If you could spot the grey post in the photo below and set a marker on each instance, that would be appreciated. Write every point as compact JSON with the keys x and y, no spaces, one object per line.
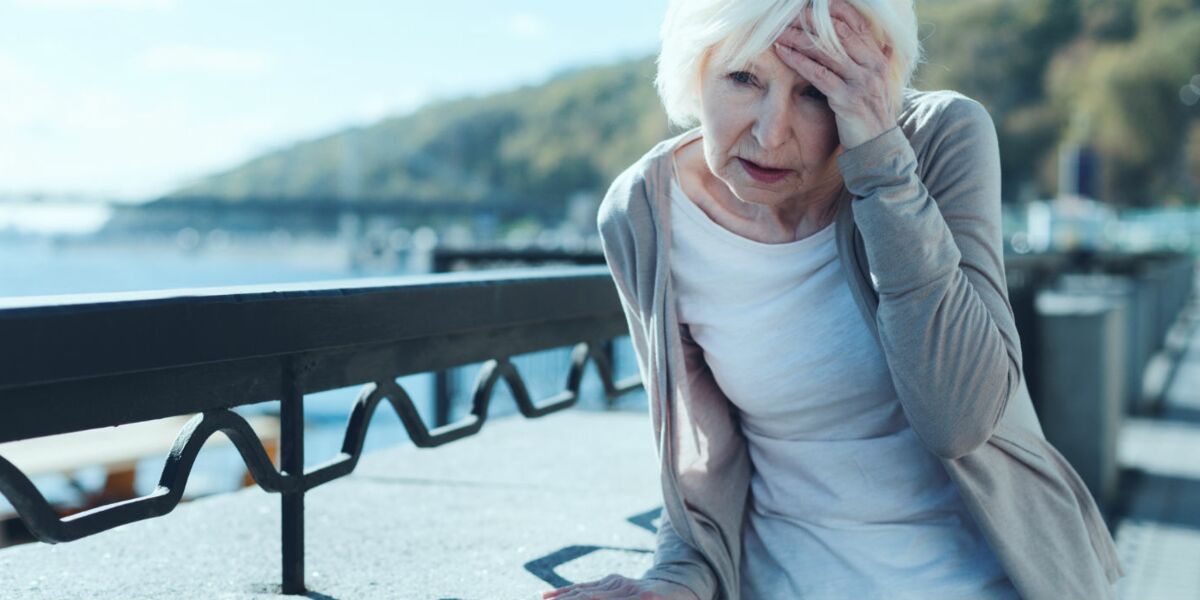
{"x":1083,"y":354}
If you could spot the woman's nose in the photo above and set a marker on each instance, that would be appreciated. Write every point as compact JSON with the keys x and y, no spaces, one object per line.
{"x":772,"y":127}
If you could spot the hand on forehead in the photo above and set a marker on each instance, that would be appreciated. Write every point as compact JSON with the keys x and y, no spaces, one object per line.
{"x":841,"y":9}
{"x":857,"y":86}
{"x":848,"y":22}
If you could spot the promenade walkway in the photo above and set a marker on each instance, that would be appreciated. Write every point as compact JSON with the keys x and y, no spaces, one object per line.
{"x":504,"y":514}
{"x":1158,"y":519}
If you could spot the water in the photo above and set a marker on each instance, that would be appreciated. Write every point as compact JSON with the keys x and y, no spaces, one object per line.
{"x":35,"y":268}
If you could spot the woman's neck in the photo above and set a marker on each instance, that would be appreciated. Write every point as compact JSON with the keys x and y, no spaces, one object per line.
{"x":802,"y":215}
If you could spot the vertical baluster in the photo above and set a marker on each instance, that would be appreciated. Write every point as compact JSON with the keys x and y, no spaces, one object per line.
{"x":443,"y":391}
{"x":292,"y":464}
{"x":610,"y":354}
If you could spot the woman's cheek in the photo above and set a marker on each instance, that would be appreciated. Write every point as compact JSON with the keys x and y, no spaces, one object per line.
{"x":824,"y":136}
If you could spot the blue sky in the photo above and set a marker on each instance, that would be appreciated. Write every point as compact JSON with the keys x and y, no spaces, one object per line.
{"x":132,"y":97}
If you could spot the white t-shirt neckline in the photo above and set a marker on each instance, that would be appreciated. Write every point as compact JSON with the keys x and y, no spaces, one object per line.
{"x":689,"y":208}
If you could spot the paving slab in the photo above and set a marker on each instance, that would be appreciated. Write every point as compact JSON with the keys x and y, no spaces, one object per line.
{"x":509,"y":513}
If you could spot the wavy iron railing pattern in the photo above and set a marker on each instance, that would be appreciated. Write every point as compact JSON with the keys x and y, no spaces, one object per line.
{"x":45,"y":524}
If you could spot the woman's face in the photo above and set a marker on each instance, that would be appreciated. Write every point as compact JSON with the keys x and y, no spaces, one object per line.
{"x":768,"y":134}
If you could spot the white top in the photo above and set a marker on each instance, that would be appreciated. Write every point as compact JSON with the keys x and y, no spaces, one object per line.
{"x":846,"y":502}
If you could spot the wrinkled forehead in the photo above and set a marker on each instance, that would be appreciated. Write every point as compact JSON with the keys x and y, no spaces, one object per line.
{"x":764,"y":64}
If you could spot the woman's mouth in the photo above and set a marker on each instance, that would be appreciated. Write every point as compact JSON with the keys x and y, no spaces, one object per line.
{"x":761,"y":173}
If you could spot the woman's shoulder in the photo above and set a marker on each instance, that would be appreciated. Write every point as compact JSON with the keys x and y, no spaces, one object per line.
{"x":922,"y":108}
{"x":631,"y":189}
{"x":947,"y":126}
{"x":926,"y":115}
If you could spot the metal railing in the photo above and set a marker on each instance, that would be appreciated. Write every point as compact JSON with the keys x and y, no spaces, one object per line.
{"x":447,"y":382}
{"x":70,"y":363}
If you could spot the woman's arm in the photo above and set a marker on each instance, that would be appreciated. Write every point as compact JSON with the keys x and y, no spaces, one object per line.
{"x":674,"y":560}
{"x":936,"y":256}
{"x":934,"y":246}
{"x":677,"y":562}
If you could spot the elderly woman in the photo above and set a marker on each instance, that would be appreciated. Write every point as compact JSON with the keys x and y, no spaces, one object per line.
{"x":813,"y":281}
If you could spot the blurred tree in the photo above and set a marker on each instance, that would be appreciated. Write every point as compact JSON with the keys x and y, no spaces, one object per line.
{"x":996,"y":51}
{"x":1127,"y":97}
{"x":1151,"y":13}
{"x":1104,"y":73}
{"x":1108,"y":19}
{"x":1191,"y":162}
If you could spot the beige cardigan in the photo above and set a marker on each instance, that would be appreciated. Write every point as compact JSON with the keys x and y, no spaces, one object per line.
{"x":918,"y":233}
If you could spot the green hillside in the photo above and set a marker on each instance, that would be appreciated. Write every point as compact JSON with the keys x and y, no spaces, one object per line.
{"x":576,"y":132}
{"x":1105,"y":73}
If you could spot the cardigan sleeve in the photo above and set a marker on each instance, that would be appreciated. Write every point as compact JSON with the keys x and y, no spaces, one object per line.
{"x":935,"y":252}
{"x":620,"y":253}
{"x":675,"y":560}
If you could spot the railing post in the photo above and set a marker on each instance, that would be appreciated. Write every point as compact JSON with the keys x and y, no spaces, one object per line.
{"x":610,"y":354}
{"x":291,"y":452}
{"x":442,"y":393}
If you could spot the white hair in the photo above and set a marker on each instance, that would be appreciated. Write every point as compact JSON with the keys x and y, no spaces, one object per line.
{"x":736,"y":31}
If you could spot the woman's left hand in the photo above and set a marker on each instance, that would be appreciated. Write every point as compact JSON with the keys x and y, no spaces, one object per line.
{"x":858,"y":90}
{"x":616,"y":587}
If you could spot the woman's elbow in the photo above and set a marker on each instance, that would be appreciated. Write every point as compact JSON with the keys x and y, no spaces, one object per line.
{"x":978,"y":421}
{"x":959,"y":445}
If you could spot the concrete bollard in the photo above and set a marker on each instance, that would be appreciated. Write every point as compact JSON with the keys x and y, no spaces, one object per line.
{"x":1083,"y":358}
{"x":1125,"y":291}
{"x":1146,"y":272}
{"x":1025,"y":275}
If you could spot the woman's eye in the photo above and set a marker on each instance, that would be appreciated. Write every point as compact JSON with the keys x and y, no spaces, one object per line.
{"x":742,"y":77}
{"x":814,"y":93}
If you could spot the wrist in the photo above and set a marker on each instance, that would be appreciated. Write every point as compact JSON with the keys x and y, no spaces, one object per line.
{"x":866,"y":135}
{"x":670,"y":590}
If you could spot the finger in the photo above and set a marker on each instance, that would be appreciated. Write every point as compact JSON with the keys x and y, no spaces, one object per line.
{"x":812,"y":71}
{"x":576,"y":594}
{"x":846,"y":70}
{"x":591,"y":589}
{"x":620,"y":593}
{"x":865,"y":51}
{"x":617,"y":589}
{"x":802,"y":25}
{"x":557,"y":593}
{"x":802,"y":20}
{"x":803,"y":38}
{"x":598,"y":593}
{"x":569,"y":591}
{"x":842,"y":9}
{"x":793,"y":36}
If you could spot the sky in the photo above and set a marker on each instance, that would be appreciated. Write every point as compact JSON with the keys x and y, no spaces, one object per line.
{"x":128,"y":99}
